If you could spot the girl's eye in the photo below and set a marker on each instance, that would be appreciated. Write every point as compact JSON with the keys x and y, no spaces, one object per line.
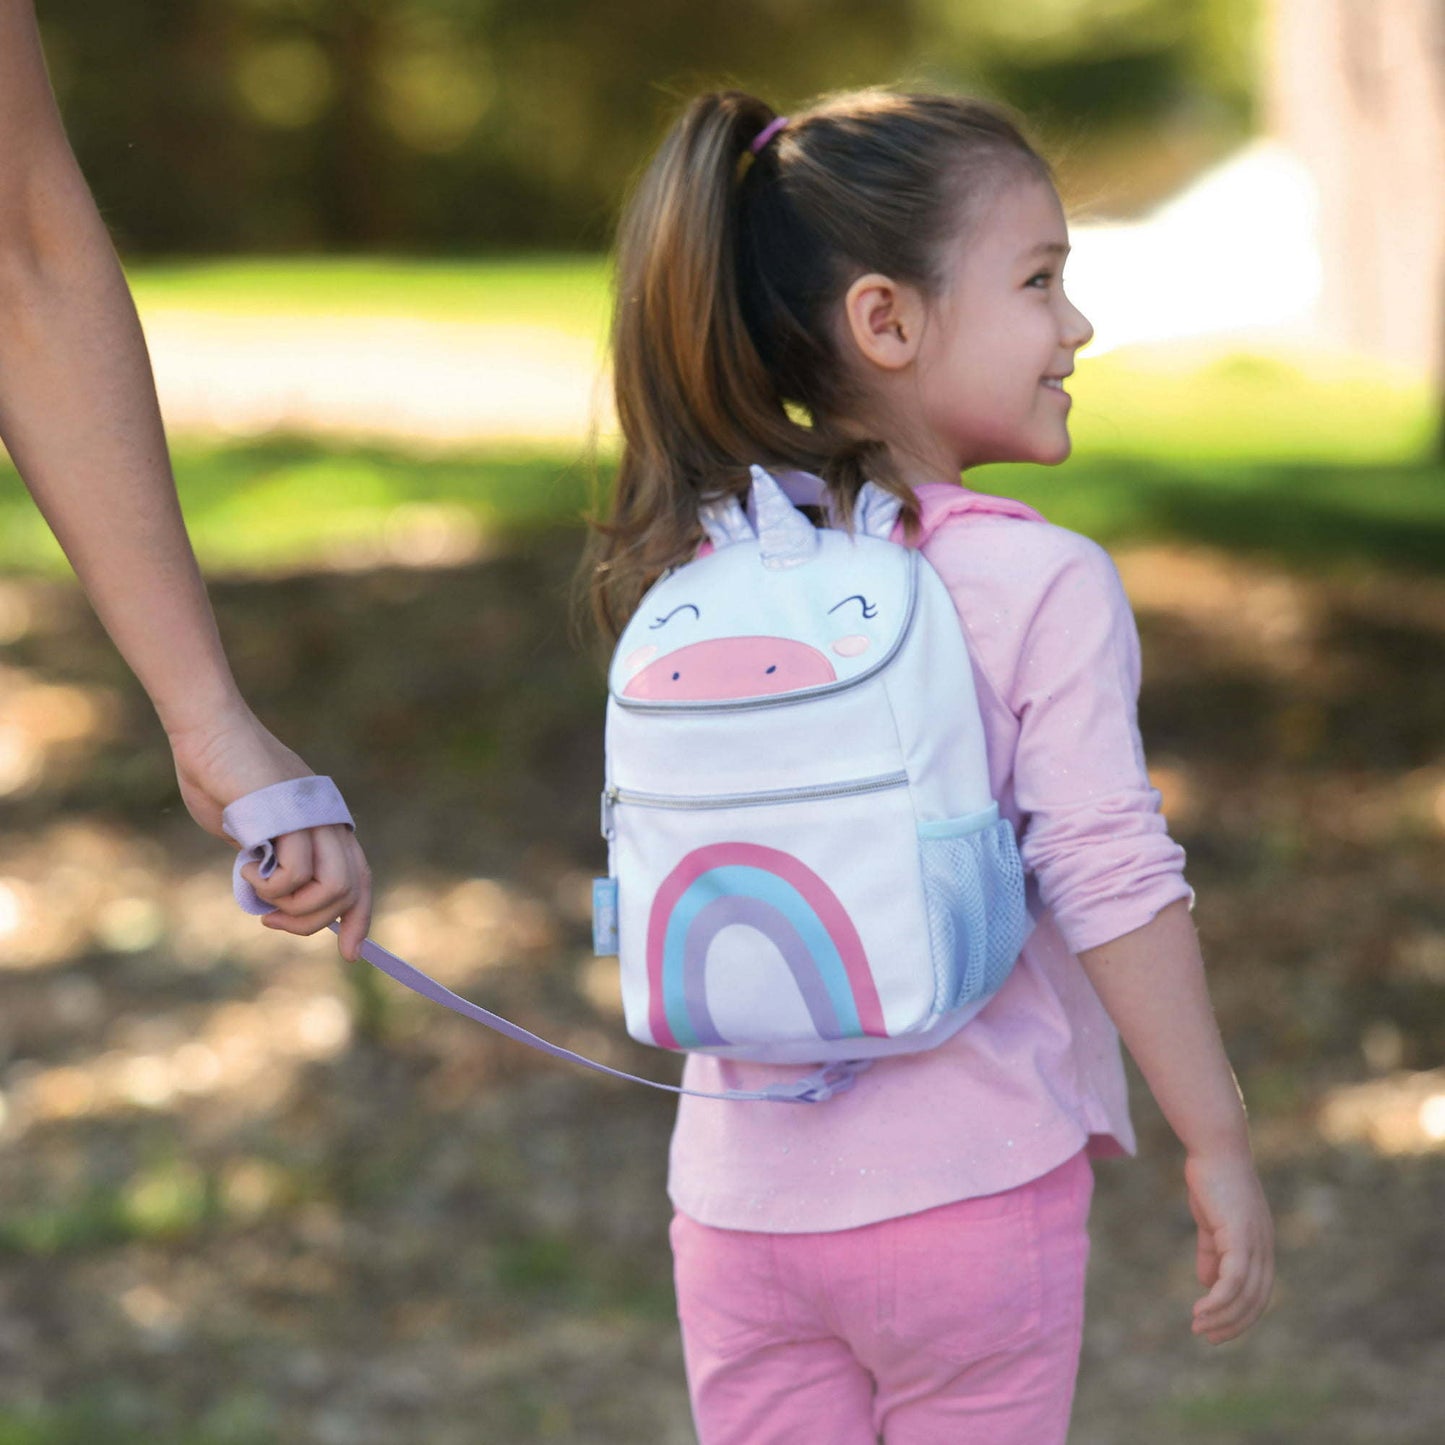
{"x":1044,"y":276}
{"x":680,"y":607}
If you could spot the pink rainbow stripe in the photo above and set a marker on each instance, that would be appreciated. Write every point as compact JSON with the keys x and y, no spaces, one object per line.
{"x":819,"y":897}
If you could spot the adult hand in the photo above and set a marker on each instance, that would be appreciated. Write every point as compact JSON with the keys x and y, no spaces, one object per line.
{"x":1235,"y":1255}
{"x":321,"y":873}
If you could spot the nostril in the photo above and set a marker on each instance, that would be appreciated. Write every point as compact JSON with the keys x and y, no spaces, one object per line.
{"x":773,"y":668}
{"x":676,"y":675}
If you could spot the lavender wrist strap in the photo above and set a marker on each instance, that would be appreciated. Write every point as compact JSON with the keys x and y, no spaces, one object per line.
{"x":257,"y":820}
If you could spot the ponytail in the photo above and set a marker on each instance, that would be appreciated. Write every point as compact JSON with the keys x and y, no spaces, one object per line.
{"x":727,"y":264}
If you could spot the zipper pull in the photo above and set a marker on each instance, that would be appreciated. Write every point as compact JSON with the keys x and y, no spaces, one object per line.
{"x":609,"y":797}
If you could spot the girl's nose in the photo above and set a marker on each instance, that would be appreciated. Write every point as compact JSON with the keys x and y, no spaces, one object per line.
{"x":1080,"y":331}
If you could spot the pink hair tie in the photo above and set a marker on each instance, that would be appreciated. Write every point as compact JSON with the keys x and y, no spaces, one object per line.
{"x":767,"y":133}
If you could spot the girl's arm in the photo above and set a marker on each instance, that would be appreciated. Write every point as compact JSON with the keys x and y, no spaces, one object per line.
{"x":78,"y":414}
{"x":1152,"y":983}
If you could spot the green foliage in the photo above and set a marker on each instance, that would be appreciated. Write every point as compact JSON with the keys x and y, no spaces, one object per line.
{"x":168,"y":1199}
{"x":240,"y":1418}
{"x":1277,"y":1405}
{"x":444,"y":124}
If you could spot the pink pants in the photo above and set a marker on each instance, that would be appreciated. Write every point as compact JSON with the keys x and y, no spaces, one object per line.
{"x":959,"y":1325}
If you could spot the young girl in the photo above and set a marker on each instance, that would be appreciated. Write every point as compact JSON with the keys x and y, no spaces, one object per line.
{"x":870,"y":290}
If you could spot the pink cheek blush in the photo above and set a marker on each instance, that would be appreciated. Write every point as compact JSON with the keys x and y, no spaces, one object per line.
{"x":636,"y":661}
{"x":851,"y":646}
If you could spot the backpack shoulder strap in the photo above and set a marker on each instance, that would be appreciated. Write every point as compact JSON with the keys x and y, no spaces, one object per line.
{"x":942,"y":500}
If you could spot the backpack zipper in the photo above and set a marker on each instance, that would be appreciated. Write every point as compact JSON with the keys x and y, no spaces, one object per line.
{"x":612,"y":795}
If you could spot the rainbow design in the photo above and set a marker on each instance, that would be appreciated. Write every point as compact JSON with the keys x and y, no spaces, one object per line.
{"x":767,"y":889}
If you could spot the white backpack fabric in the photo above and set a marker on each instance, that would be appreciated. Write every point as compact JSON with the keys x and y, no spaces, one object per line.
{"x":805,"y":863}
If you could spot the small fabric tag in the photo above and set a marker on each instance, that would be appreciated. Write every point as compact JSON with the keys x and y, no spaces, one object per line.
{"x":604,"y":916}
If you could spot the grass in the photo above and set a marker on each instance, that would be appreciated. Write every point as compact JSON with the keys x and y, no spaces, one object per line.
{"x":563,"y":293}
{"x":1242,"y":1409}
{"x":171,"y":1199}
{"x":1314,"y":460}
{"x":1168,"y":403}
{"x":243,"y":1418}
{"x":288,"y":502}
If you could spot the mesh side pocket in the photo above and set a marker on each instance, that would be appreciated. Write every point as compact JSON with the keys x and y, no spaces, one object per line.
{"x":973,"y":882}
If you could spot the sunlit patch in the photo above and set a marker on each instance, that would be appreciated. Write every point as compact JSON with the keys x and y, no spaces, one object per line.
{"x":250,"y":1187}
{"x":1178,"y":799}
{"x":851,"y":646}
{"x":60,"y":883}
{"x":640,"y":657}
{"x":66,"y":888}
{"x":146,"y":1306}
{"x":39,"y":720}
{"x":146,"y":1081}
{"x":1240,"y":603}
{"x":20,"y":760}
{"x":1432,"y":1117}
{"x":195,"y":1068}
{"x":129,"y":925}
{"x":16,"y":613}
{"x":1401,"y":1114}
{"x":11,"y":913}
{"x":432,"y":534}
{"x":601,"y":984}
{"x":65,"y":1093}
{"x":323,"y":1027}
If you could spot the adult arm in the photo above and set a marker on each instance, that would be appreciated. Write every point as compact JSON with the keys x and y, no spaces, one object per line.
{"x":79,"y":416}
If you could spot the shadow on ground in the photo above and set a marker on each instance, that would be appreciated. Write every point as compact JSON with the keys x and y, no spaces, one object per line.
{"x":250,"y":1197}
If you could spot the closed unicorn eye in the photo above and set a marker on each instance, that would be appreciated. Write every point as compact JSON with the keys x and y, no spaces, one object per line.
{"x":673,"y":613}
{"x":870,"y":610}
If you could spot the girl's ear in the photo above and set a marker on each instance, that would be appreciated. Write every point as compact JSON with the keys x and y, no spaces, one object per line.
{"x":885,"y":319}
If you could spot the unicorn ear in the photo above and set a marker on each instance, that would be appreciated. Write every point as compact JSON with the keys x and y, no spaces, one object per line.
{"x":785,"y":536}
{"x":725,"y":522}
{"x":875,"y":511}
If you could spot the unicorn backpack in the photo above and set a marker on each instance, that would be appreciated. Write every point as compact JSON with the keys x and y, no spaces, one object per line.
{"x":805,"y":863}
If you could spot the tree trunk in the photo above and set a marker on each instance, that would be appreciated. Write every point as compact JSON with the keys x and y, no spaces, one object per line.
{"x":1357,"y":89}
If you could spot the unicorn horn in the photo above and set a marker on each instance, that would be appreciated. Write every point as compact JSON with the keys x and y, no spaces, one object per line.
{"x":785,"y":536}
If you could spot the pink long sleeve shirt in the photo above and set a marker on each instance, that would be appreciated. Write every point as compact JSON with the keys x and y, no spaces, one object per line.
{"x":1039,"y":1073}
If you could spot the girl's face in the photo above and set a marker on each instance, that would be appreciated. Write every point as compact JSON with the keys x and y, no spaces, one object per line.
{"x":1000,"y":334}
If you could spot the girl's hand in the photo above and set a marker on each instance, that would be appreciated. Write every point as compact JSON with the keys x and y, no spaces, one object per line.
{"x":1236,"y":1242}
{"x":321,"y":873}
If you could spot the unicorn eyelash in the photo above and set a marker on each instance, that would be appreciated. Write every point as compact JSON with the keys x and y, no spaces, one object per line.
{"x":869,"y":609}
{"x":680,"y":607}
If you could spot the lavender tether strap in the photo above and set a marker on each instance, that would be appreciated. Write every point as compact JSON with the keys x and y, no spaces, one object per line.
{"x":257,"y":820}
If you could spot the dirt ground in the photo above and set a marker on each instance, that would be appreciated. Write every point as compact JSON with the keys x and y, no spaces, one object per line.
{"x":248,"y":1196}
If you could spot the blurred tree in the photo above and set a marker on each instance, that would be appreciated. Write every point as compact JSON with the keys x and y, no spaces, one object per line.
{"x":1357,"y":89}
{"x":444,"y":124}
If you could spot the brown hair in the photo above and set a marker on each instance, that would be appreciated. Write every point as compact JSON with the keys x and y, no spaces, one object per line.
{"x":727,"y":284}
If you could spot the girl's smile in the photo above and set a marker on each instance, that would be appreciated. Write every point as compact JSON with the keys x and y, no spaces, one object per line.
{"x":1001,"y":331}
{"x":956,"y":375}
